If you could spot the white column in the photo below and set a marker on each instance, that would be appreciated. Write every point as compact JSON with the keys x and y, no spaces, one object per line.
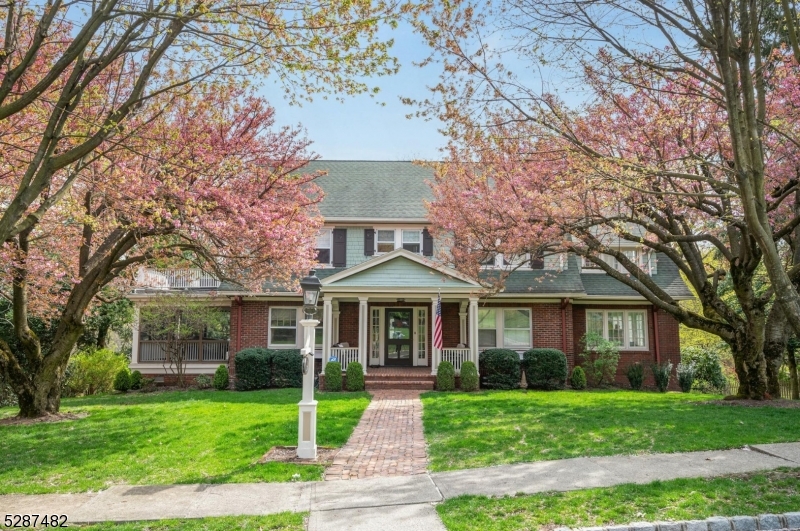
{"x":327,"y":327}
{"x":436,"y":354}
{"x":135,"y":339}
{"x":462,"y":324}
{"x":335,"y":335}
{"x":473,"y":330}
{"x":363,"y":334}
{"x":307,"y":418}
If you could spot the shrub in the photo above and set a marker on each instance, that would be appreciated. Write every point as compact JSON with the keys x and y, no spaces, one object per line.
{"x":469,"y":377}
{"x":287,"y":368}
{"x":333,"y":376}
{"x":93,"y":371}
{"x":221,"y":378}
{"x":600,"y":359}
{"x":148,"y":385}
{"x":578,"y":378}
{"x":122,"y":381}
{"x":685,"y":376}
{"x":662,"y":372}
{"x":355,"y":376}
{"x":545,"y":368}
{"x":635,"y":374}
{"x":202,"y":381}
{"x":136,"y":380}
{"x":253,"y":369}
{"x":445,"y":377}
{"x":501,"y":368}
{"x":708,"y":376}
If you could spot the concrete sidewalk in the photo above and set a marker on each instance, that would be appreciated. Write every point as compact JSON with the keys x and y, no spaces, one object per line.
{"x":393,"y":503}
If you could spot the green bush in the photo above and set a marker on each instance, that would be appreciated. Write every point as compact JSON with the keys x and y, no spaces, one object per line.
{"x":136,"y":380}
{"x":578,"y":378}
{"x":662,"y":372}
{"x":545,"y":368}
{"x":469,"y":377}
{"x":355,"y":376}
{"x":600,"y":358}
{"x":685,"y":376}
{"x":221,"y":378}
{"x":93,"y":371}
{"x":122,"y":381}
{"x":635,"y":374}
{"x":253,"y":369}
{"x":445,"y":377}
{"x":202,"y":381}
{"x":708,"y":377}
{"x":287,"y":368}
{"x":333,"y":376}
{"x":501,"y":368}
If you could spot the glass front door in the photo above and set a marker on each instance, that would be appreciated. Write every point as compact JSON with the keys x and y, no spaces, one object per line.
{"x":399,"y":337}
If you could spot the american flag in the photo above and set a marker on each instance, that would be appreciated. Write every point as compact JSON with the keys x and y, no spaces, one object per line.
{"x":437,"y":324}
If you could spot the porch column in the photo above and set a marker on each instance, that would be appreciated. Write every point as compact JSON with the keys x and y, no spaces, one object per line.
{"x":473,"y":330}
{"x":363,"y":335}
{"x":436,"y":354}
{"x":462,"y":324}
{"x":327,"y":327}
{"x":335,"y":336}
{"x":135,"y":339}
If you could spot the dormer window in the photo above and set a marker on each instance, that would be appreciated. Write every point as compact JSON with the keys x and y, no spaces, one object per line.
{"x":412,"y":241}
{"x":324,"y":243}
{"x":385,"y":241}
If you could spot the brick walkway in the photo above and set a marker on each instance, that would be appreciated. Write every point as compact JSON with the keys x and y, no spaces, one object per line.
{"x":388,"y":440}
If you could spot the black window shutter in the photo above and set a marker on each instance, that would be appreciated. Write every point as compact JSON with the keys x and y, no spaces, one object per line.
{"x":369,"y":242}
{"x":339,"y":247}
{"x":427,"y":243}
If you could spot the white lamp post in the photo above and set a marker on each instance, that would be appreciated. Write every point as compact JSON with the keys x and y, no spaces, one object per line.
{"x":307,"y":423}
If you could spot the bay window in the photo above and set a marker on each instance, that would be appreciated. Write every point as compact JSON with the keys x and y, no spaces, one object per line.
{"x":625,"y":328}
{"x":504,"y":328}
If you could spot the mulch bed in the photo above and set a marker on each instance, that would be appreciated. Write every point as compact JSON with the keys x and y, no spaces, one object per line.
{"x":288,"y":454}
{"x":57,"y":417}
{"x":778,"y":403}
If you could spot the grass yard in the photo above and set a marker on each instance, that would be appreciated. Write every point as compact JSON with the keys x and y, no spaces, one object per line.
{"x":498,"y":427}
{"x":272,"y":522}
{"x":172,"y":437}
{"x":777,"y":491}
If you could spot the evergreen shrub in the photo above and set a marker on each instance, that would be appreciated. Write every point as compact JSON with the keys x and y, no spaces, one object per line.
{"x":355,"y":376}
{"x":221,"y":378}
{"x":662,"y":373}
{"x":446,"y":377}
{"x":545,"y":368}
{"x":635,"y":374}
{"x":333,"y":376}
{"x":287,"y":368}
{"x":685,"y":376}
{"x":469,"y":377}
{"x":137,"y":380}
{"x":253,"y":369}
{"x":501,"y":368}
{"x":578,"y":378}
{"x":122,"y":381}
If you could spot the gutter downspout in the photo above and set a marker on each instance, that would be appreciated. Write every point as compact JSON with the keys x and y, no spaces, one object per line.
{"x":655,"y":334}
{"x":564,"y":303}
{"x":238,"y":323}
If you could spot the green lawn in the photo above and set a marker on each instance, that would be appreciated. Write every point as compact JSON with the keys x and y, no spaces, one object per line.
{"x":273,"y":522}
{"x":497,"y":427}
{"x":682,"y":499}
{"x":163,"y":438}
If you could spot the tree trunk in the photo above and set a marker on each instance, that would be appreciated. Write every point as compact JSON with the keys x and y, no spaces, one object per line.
{"x":776,"y":337}
{"x":102,"y":335}
{"x":792,"y":362}
{"x":749,"y":362}
{"x":43,"y":396}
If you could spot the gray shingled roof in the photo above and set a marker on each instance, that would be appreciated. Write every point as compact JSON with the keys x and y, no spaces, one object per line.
{"x":667,"y":277}
{"x":541,"y":281}
{"x":372,"y":189}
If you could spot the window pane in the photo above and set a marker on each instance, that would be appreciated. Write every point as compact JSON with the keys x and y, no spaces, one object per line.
{"x":615,"y":328}
{"x":486,"y":318}
{"x":324,"y":256}
{"x":594,"y":323}
{"x":516,"y":338}
{"x":318,"y":337}
{"x":413,"y":247}
{"x":284,"y":336}
{"x":284,"y":317}
{"x":487,"y":338}
{"x":324,"y":239}
{"x":386,"y":236}
{"x":412,"y":236}
{"x":488,"y":261}
{"x":636,"y":329}
{"x":516,"y":319}
{"x":385,"y":247}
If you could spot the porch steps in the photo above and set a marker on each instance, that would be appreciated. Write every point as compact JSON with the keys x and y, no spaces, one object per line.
{"x":399,"y":378}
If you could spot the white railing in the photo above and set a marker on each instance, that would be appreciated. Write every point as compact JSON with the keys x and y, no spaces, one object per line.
{"x":456,"y":356}
{"x":212,"y":351}
{"x":345,"y":355}
{"x":175,"y":278}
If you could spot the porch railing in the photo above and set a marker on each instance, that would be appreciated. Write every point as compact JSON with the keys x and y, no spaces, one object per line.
{"x":456,"y":356}
{"x":196,"y":351}
{"x":345,"y":355}
{"x":175,"y":278}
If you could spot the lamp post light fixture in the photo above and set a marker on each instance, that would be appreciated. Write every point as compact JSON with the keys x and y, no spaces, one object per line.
{"x":307,"y":422}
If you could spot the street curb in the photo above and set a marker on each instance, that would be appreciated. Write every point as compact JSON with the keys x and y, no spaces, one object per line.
{"x":764,"y":522}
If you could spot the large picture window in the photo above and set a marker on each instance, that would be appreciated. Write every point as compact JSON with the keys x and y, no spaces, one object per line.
{"x":504,"y":328}
{"x":625,"y":328}
{"x":283,"y":327}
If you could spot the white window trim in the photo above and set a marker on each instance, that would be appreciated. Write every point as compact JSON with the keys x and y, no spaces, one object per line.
{"x":499,"y":322}
{"x":645,"y":260}
{"x":625,"y":330}
{"x":330,"y":248}
{"x":398,"y":238}
{"x":297,"y":311}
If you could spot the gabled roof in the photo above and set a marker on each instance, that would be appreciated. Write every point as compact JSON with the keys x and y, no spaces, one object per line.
{"x":400,"y":268}
{"x":368,"y":190}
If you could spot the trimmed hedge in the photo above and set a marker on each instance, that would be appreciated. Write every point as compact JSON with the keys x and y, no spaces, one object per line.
{"x":501,"y":368}
{"x":635,"y":374}
{"x":287,"y":368}
{"x":445,"y":377}
{"x":578,"y":378}
{"x":253,"y":369}
{"x":355,"y":376}
{"x":137,"y":380}
{"x":122,"y":381}
{"x":469,"y":376}
{"x":221,"y":377}
{"x":545,"y":368}
{"x":333,"y":376}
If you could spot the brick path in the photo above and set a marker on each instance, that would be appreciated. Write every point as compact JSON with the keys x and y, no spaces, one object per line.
{"x":388,"y":440}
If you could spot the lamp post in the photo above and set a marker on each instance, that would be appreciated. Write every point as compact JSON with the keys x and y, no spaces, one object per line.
{"x":307,"y":423}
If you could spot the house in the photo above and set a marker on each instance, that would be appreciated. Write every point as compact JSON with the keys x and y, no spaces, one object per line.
{"x":380,"y":285}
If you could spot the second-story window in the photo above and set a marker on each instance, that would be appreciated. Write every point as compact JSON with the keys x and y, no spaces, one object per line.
{"x":412,"y":241}
{"x":385,"y":241}
{"x":324,"y":244}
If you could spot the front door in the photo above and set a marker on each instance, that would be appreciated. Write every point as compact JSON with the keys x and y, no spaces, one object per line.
{"x":399,"y":337}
